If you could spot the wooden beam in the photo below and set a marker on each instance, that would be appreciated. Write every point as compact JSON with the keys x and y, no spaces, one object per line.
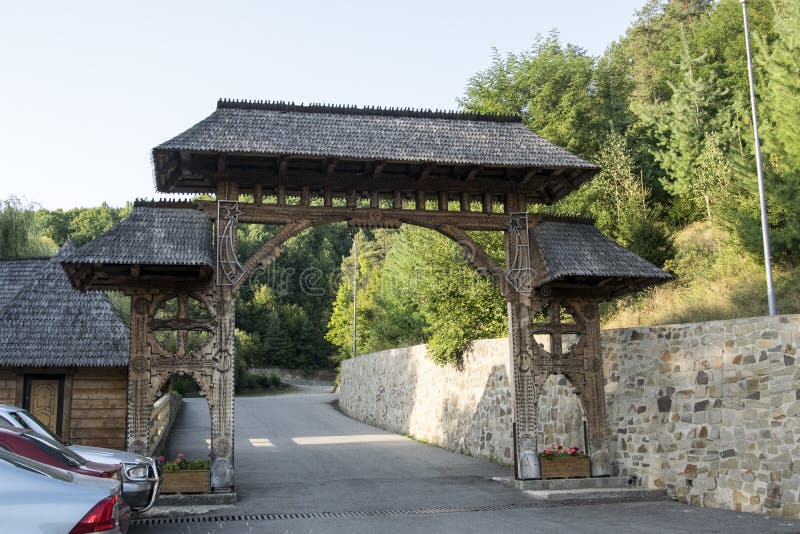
{"x":420,"y":203}
{"x":528,"y":177}
{"x":330,"y":168}
{"x":272,"y":214}
{"x":305,"y":195}
{"x":258,"y":194}
{"x":376,"y":172}
{"x":181,"y":323}
{"x":465,"y":201}
{"x":487,"y":203}
{"x":374,"y":200}
{"x":472,"y":174}
{"x":397,"y":197}
{"x":443,"y":201}
{"x":426,"y":171}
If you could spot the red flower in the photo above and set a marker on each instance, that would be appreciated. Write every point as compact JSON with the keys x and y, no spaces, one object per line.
{"x":560,"y":447}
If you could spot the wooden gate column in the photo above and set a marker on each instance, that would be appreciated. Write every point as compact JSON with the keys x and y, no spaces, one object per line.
{"x":139,"y":405}
{"x":526,"y":455}
{"x":221,"y":396}
{"x":593,"y":391}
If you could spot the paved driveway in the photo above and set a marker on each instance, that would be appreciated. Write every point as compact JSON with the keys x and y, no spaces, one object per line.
{"x":304,"y":467}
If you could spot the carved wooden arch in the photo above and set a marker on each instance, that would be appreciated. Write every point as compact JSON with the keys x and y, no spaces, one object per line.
{"x":203,"y":382}
{"x":484,"y":264}
{"x":270,"y":250}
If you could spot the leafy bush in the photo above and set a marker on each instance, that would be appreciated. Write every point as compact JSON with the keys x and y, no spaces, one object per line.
{"x":182,"y":464}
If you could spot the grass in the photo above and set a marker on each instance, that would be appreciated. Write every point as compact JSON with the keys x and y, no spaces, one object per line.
{"x":716,"y":280}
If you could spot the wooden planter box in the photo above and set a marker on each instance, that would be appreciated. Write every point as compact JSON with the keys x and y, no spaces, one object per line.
{"x":565,"y":467}
{"x":185,"y":482}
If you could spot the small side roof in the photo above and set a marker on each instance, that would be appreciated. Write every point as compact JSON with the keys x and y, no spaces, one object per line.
{"x":48,"y":323}
{"x":157,"y":242}
{"x":577,"y":254}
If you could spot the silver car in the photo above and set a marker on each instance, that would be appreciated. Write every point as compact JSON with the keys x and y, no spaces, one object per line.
{"x":141,"y":476}
{"x":39,"y":498}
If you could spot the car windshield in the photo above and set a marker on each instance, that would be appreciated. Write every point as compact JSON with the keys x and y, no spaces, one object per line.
{"x":26,"y":420}
{"x":54,"y":449}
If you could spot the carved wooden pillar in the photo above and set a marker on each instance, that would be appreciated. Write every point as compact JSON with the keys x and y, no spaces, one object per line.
{"x":139,"y":405}
{"x":526,"y":457}
{"x":220,"y":397}
{"x":593,"y":397}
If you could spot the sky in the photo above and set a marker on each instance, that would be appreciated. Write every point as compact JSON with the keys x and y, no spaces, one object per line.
{"x":87,"y":89}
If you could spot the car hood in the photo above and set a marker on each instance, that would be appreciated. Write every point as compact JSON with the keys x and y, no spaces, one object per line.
{"x":108,"y":456}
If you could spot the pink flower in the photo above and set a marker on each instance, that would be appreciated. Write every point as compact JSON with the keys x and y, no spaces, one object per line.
{"x":161,"y":459}
{"x":547,"y":450}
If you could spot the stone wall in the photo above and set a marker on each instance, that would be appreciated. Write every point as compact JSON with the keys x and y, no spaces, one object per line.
{"x":300,"y":377}
{"x":466,"y":410}
{"x":707,"y":411}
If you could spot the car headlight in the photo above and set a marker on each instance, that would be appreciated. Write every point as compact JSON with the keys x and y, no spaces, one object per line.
{"x":137,"y":472}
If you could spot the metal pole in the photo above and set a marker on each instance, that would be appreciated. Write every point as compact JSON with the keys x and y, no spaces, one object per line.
{"x":759,"y":168}
{"x":355,"y":292}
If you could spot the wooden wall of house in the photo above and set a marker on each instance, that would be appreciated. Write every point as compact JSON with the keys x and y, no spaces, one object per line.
{"x":98,"y":411}
{"x":8,"y":387}
{"x":93,"y":406}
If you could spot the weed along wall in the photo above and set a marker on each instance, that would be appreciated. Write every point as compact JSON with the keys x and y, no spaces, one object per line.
{"x":708,"y":411}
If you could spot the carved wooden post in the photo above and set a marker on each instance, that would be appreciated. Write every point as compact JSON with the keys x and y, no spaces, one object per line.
{"x":139,"y":405}
{"x":518,"y":293}
{"x":221,"y":397}
{"x":526,"y":456}
{"x":593,"y":397}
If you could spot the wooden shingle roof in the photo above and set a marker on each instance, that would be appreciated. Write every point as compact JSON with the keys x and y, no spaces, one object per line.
{"x":152,"y":236}
{"x":157,"y":243}
{"x":48,"y":323}
{"x":14,"y":274}
{"x":343,"y":148}
{"x":371,"y":133}
{"x":578,"y":253}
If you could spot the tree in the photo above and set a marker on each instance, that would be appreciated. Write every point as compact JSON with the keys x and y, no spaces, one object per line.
{"x":552,"y":87}
{"x":779,"y":112}
{"x":20,"y":236}
{"x":714,"y":170}
{"x":681,"y":127}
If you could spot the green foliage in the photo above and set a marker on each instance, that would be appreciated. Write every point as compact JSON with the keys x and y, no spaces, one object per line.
{"x":553,"y":87}
{"x":20,"y":236}
{"x":182,"y":464}
{"x":81,"y":225}
{"x":414,"y":286}
{"x":282,"y":313}
{"x":183,"y":385}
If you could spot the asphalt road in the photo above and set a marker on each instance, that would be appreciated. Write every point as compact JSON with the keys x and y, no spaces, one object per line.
{"x":304,"y":467}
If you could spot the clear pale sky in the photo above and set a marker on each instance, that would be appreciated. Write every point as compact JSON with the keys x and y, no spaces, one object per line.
{"x":88,"y":88}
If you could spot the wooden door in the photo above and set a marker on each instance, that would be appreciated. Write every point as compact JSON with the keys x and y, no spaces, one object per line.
{"x":44,"y":397}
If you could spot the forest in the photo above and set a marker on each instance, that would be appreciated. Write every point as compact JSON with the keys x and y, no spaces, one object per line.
{"x":664,"y":112}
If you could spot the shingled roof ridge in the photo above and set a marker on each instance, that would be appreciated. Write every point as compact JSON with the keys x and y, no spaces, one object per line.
{"x":169,"y":203}
{"x":279,"y":105}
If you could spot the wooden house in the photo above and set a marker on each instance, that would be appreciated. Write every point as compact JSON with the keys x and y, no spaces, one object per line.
{"x":63,"y":353}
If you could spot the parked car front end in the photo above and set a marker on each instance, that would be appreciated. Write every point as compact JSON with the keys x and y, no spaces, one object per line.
{"x":141,"y":475}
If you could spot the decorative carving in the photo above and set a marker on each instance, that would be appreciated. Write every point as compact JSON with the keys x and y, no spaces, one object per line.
{"x":229,"y":271}
{"x":519,"y":272}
